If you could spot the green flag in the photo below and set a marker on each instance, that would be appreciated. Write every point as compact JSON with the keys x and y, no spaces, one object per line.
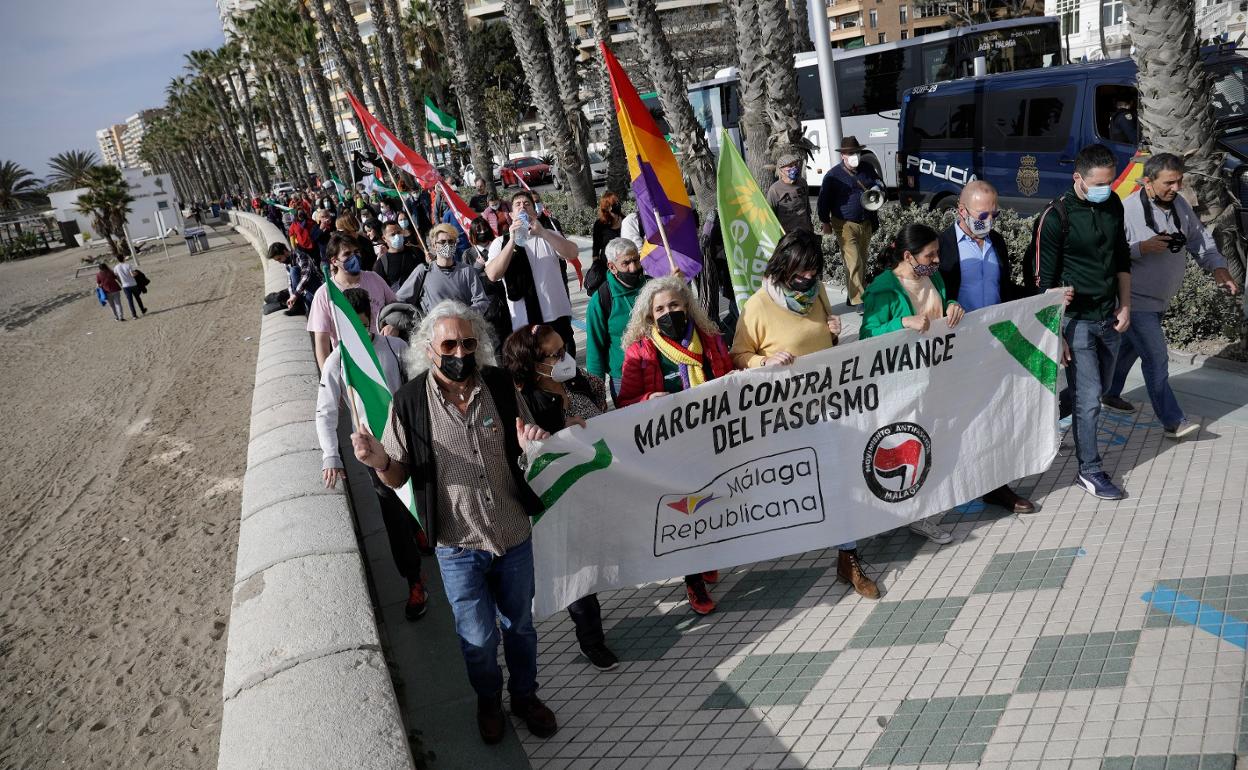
{"x":363,"y":382}
{"x":272,"y":202}
{"x":438,"y":122}
{"x":750,"y":227}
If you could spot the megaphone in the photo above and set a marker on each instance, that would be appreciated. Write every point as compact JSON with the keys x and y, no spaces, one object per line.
{"x":872,"y":199}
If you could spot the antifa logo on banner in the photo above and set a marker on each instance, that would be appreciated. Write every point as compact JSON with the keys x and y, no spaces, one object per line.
{"x":896,"y":461}
{"x":364,"y":165}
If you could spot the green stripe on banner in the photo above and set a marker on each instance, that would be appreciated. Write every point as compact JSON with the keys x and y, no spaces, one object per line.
{"x":373,"y":395}
{"x":542,"y":462}
{"x":1026,"y":353}
{"x":601,"y":459}
{"x":1051,"y":317}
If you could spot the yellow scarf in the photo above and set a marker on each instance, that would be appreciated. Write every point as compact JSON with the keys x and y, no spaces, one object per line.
{"x":688,"y":360}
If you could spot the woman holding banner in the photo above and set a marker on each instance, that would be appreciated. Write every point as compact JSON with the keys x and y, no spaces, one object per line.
{"x":791,"y":316}
{"x":556,"y":394}
{"x":670,"y":345}
{"x":910,"y":294}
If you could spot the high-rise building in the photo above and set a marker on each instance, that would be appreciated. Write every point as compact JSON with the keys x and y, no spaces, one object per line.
{"x":132,"y":139}
{"x":857,"y":23}
{"x":109,"y":139}
{"x":228,"y":10}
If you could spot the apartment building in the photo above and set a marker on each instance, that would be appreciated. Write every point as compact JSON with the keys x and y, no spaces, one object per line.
{"x":855,"y":23}
{"x":109,"y":139}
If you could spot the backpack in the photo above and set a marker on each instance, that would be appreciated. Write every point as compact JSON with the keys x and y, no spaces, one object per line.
{"x":1031,"y":265}
{"x":604,"y":299}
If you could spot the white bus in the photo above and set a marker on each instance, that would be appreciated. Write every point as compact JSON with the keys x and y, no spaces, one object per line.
{"x":871,"y":81}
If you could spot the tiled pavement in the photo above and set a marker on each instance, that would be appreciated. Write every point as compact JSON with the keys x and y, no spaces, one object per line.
{"x":1089,"y":635}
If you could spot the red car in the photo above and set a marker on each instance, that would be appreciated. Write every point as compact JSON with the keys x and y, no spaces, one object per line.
{"x":531,"y":170}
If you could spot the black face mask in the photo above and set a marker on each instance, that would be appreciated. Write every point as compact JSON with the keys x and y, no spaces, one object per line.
{"x":673,"y":325}
{"x":628,"y":280}
{"x":458,"y":369}
{"x":801,"y":285}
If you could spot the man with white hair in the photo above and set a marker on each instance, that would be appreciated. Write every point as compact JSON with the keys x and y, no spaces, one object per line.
{"x":607,"y":314}
{"x":455,"y":430}
{"x":975,"y":265}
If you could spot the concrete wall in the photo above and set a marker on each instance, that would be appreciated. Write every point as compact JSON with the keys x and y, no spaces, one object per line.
{"x":306,"y":685}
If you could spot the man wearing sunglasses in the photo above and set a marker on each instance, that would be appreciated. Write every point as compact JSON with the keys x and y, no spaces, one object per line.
{"x":975,"y":264}
{"x":455,"y":430}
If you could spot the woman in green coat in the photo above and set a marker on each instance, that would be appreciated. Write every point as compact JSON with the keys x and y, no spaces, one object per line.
{"x":910,"y":294}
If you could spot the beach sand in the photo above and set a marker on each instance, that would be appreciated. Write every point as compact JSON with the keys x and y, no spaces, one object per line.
{"x":123,"y":446}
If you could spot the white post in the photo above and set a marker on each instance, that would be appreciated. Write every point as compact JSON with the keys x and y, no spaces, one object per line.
{"x":817,"y":12}
{"x":125,"y":229}
{"x":160,"y":223}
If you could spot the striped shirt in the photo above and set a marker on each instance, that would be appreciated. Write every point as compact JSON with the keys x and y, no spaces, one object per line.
{"x":478,"y":505}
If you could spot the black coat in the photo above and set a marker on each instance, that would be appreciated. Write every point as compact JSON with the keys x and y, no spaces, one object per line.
{"x":951,"y":265}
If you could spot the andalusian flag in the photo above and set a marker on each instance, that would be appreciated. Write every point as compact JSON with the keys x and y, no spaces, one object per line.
{"x":274,"y":203}
{"x":438,"y":122}
{"x":750,"y":227}
{"x":339,"y":187}
{"x":365,"y":385}
{"x":656,"y":181}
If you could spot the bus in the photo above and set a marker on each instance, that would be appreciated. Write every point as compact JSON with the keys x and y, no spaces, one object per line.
{"x":871,"y":81}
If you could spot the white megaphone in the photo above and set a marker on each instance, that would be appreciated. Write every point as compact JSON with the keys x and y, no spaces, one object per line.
{"x":872,"y":199}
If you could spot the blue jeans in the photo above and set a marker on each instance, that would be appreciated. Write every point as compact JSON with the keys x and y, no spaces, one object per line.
{"x":1145,"y":340}
{"x":482,"y":587}
{"x":1093,"y":347}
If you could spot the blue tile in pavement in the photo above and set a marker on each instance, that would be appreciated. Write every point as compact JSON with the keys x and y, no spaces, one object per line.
{"x":1079,"y":661}
{"x":916,"y":621}
{"x":771,"y":680}
{"x":939,"y":730}
{"x":1026,"y":570}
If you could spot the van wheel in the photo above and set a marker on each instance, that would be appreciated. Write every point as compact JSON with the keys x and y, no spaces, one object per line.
{"x":945,"y":203}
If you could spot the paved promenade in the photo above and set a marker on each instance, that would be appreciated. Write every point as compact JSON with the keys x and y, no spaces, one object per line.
{"x":1089,"y":635}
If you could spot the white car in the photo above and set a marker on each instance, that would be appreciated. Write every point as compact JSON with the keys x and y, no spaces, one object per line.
{"x":597,"y":170}
{"x":283,"y":188}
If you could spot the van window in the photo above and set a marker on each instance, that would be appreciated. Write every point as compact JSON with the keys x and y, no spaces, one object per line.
{"x":1036,"y":120}
{"x":940,"y":122}
{"x":1107,"y":99}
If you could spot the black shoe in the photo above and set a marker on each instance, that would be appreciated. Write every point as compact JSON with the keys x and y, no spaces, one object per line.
{"x":417,"y":601}
{"x":490,"y":718}
{"x":600,"y":657}
{"x":1117,"y":404}
{"x":537,"y":717}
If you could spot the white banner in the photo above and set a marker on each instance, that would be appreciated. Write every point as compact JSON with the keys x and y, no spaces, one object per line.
{"x":843,"y":444}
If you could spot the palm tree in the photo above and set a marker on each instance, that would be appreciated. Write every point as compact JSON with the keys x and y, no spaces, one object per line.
{"x":799,"y":25}
{"x":617,"y":164}
{"x":107,"y":201}
{"x":204,"y":64}
{"x":468,"y":86}
{"x":752,"y":74}
{"x":230,"y":64}
{"x":388,"y":63}
{"x":554,"y":15}
{"x":535,"y":58}
{"x":412,"y":110}
{"x":346,"y":67}
{"x":782,"y":100}
{"x":319,"y":87}
{"x":696,"y":159}
{"x":69,"y":169}
{"x":1175,"y":111}
{"x":349,"y":33}
{"x":19,"y":188}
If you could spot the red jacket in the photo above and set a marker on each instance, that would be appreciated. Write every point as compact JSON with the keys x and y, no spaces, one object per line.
{"x":300,"y":236}
{"x":642,"y":375}
{"x":107,"y":281}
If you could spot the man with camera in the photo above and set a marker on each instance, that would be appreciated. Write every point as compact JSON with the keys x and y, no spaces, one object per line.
{"x":1162,"y":229}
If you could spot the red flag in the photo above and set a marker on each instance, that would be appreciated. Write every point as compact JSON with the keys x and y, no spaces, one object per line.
{"x":396,"y":152}
{"x":462,"y":211}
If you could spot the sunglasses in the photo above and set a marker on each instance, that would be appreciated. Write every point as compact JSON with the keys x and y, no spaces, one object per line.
{"x":447,"y":347}
{"x":984,"y":215}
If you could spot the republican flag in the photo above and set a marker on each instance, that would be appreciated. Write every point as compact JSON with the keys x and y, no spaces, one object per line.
{"x":656,"y":180}
{"x":399,"y":154}
{"x":363,"y":382}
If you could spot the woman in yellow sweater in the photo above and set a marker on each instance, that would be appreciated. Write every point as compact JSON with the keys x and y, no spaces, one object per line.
{"x":790,"y":317}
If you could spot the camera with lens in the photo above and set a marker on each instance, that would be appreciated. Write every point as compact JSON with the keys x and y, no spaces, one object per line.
{"x":1177,"y":242}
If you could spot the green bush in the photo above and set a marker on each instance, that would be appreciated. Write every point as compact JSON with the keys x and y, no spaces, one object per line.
{"x":1201,"y":311}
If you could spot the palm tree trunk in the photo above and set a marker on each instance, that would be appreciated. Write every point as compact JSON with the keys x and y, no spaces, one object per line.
{"x":388,"y":57}
{"x":305,"y":122}
{"x":752,"y":72}
{"x":617,"y":164}
{"x":319,"y":87}
{"x":412,"y":108}
{"x":287,"y":112}
{"x":696,"y":159}
{"x":535,"y":59}
{"x":350,"y":33}
{"x":249,"y":122}
{"x":1176,"y":114}
{"x":782,"y":99}
{"x":229,"y":132}
{"x":346,"y":67}
{"x":800,"y":26}
{"x":469,"y":90}
{"x":277,"y":130}
{"x":555,"y":17}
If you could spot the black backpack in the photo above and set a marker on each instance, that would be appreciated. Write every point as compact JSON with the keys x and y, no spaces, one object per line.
{"x":1031,"y":265}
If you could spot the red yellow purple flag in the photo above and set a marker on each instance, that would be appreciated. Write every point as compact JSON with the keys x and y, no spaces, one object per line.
{"x":657,"y":182}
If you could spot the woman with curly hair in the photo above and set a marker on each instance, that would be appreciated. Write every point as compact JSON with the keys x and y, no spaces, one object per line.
{"x":671,"y":345}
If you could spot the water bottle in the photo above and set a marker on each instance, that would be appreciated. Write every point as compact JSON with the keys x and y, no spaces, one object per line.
{"x":522,"y":235}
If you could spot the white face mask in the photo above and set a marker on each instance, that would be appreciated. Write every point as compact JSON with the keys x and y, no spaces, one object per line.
{"x":979,"y":227}
{"x":564,"y":370}
{"x":396,"y":241}
{"x":852,"y":160}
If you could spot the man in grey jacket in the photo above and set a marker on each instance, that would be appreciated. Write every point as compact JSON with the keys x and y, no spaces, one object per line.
{"x":1162,"y":230}
{"x":444,"y":278}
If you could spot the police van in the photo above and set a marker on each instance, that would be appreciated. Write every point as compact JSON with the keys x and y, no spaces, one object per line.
{"x":1020,"y":131}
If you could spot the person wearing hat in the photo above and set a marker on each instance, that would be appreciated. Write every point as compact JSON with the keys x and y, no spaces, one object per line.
{"x":842,"y":213}
{"x":398,"y":319}
{"x":787,"y":195}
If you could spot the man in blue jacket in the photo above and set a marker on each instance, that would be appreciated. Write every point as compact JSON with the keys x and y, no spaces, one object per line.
{"x":841,"y":212}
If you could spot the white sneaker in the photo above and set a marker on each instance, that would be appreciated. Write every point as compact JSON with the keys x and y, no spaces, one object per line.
{"x":1185,"y":428}
{"x":932,"y":531}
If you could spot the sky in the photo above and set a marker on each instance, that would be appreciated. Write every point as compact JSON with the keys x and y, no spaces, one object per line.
{"x":72,"y":67}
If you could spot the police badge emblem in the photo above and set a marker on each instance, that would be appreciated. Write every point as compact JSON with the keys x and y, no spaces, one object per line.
{"x":1028,"y":179}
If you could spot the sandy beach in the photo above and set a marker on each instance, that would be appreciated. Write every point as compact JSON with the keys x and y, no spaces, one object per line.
{"x":124,"y":447}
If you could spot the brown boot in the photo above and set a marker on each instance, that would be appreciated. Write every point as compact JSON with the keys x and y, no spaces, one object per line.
{"x":849,"y":570}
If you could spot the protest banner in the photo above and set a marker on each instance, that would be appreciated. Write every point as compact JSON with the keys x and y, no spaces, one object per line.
{"x":844,"y":444}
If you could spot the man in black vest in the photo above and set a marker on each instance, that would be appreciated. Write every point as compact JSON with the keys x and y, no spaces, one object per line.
{"x":975,"y":264}
{"x":455,"y":431}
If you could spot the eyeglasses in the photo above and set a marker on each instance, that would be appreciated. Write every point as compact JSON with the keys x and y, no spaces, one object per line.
{"x":448,"y":347}
{"x":442,"y":242}
{"x":556,"y":356}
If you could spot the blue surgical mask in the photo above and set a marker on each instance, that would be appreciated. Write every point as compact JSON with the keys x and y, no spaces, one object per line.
{"x":352,"y":265}
{"x":403,"y":222}
{"x":396,"y":241}
{"x":1099,"y":193}
{"x":791,"y":174}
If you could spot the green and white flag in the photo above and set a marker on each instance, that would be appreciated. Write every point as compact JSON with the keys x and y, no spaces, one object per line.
{"x":438,"y":122}
{"x":339,"y":187}
{"x":750,"y":227}
{"x":365,"y":385}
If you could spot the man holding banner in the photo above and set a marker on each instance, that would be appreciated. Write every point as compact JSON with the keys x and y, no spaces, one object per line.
{"x":455,"y":432}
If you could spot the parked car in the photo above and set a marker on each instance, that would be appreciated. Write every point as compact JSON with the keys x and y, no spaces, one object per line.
{"x":283,"y":188}
{"x":470,"y":176}
{"x":597,"y":170}
{"x":531,"y":170}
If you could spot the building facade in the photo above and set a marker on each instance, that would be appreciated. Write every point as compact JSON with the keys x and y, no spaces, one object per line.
{"x":855,"y":23}
{"x":109,"y":139}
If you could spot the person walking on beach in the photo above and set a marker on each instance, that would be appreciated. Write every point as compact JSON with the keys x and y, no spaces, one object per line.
{"x":129,"y":284}
{"x":108,"y":284}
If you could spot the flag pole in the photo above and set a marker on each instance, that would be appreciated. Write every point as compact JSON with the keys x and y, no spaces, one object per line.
{"x":663,"y":234}
{"x":390,"y":172}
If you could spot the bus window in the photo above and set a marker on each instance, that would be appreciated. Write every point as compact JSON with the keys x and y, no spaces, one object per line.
{"x":1036,"y":120}
{"x":731,"y":104}
{"x":809,"y":95}
{"x":874,"y":82}
{"x":1011,"y":49}
{"x":704,"y":106}
{"x":937,"y":63}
